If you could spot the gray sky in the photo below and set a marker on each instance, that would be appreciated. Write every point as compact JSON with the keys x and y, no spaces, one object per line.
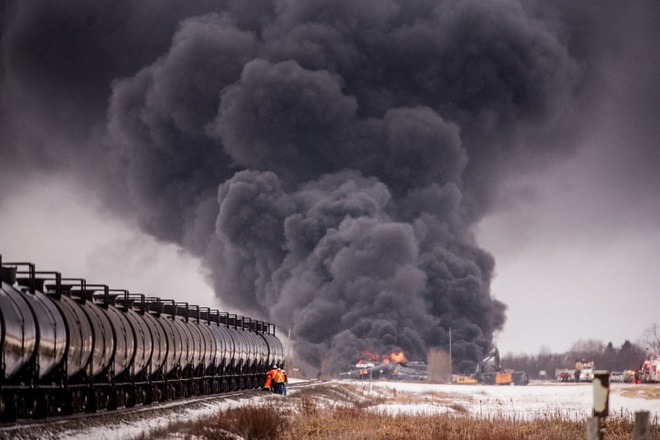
{"x":366,"y":176}
{"x":576,"y":250}
{"x":49,"y":223}
{"x":576,"y":261}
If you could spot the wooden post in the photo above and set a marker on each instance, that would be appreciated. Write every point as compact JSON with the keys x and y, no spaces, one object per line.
{"x":593,"y":429}
{"x":642,"y":431}
{"x":601,"y":384}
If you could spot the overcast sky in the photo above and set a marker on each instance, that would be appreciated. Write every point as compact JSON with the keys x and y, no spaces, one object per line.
{"x":577,"y":251}
{"x":49,"y":223}
{"x":575,"y":261}
{"x":342,"y":169}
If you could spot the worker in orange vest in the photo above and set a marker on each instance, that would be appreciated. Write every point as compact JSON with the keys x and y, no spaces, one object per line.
{"x":280,"y":381}
{"x":270,"y":374}
{"x":286,"y":381}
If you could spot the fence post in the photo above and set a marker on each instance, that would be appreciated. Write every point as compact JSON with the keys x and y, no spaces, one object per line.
{"x":642,"y":431}
{"x":601,"y":387}
{"x":593,"y":429}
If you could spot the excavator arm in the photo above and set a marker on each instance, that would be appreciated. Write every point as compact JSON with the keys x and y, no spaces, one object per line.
{"x":493,"y":355}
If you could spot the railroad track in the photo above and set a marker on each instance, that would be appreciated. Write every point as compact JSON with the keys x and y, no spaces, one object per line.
{"x":75,"y":425}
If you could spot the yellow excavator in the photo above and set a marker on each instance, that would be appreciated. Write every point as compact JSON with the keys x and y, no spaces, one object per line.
{"x":490,"y":372}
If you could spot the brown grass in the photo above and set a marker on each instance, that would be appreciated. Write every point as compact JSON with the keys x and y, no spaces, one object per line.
{"x":344,"y":413}
{"x":640,"y":391}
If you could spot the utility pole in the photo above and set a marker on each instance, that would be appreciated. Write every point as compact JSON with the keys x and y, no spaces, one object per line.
{"x":288,"y":353}
{"x":451,"y":369}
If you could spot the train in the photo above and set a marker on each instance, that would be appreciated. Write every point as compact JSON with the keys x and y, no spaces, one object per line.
{"x":69,"y":346}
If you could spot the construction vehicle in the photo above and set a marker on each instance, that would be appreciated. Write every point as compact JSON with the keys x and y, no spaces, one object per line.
{"x":464,"y":380}
{"x":489,"y":371}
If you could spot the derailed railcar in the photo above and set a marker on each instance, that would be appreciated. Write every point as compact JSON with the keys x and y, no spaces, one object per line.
{"x":69,"y":346}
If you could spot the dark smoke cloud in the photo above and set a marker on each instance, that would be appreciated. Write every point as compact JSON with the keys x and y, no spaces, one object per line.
{"x":326,"y":160}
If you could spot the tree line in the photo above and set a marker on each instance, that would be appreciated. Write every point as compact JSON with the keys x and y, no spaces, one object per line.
{"x":628,"y":356}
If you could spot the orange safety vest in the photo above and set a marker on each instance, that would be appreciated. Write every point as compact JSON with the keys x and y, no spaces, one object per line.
{"x":269,"y":376}
{"x":278,"y":377}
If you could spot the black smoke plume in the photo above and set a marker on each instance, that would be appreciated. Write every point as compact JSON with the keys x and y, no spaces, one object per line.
{"x":326,"y":160}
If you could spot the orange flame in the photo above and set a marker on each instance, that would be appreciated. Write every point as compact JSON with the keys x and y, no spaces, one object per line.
{"x":395,"y":356}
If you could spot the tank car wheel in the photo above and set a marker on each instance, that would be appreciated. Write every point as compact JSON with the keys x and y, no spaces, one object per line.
{"x":123,"y":396}
{"x":156,"y":394}
{"x":144,"y":394}
{"x":67,"y":402}
{"x":2,"y":408}
{"x":112,"y":400}
{"x":148,"y":394}
{"x":131,"y":396}
{"x":27,"y":407}
{"x":43,"y":406}
{"x":87,"y":402}
{"x":55,"y":403}
{"x":160,"y":393}
{"x":8,"y":407}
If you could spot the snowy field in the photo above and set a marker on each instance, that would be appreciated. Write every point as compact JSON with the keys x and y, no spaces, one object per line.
{"x":537,"y":400}
{"x":517,"y":402}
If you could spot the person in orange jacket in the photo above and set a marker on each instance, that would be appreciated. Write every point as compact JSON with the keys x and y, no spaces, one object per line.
{"x":280,"y":381}
{"x":270,"y":374}
{"x":286,"y":381}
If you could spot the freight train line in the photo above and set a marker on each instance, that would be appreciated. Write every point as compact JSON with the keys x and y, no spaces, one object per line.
{"x":68,"y":347}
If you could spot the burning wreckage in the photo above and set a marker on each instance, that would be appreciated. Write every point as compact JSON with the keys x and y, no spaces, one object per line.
{"x":392,"y":367}
{"x":395,"y":367}
{"x":387,"y":370}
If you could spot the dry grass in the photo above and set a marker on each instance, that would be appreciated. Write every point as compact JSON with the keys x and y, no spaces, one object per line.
{"x":249,"y":423}
{"x":643,"y":391}
{"x":345,"y":413}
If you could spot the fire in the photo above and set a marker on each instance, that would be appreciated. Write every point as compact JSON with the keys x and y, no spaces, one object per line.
{"x":395,"y":356}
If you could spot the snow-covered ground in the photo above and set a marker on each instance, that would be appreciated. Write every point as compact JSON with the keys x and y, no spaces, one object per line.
{"x":520,"y":402}
{"x":537,"y":400}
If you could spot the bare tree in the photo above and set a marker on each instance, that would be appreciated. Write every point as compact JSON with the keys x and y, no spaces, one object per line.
{"x":439,"y":365}
{"x":650,"y":340}
{"x":587,"y":348}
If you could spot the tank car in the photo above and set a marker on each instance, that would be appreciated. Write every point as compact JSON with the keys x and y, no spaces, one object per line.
{"x":69,"y":346}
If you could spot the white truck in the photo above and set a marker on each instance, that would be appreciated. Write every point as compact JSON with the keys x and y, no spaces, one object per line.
{"x":585,"y":370}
